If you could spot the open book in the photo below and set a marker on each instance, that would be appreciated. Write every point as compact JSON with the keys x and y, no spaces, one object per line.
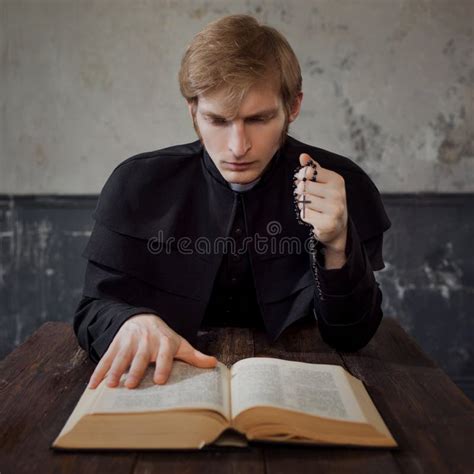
{"x":257,"y":399}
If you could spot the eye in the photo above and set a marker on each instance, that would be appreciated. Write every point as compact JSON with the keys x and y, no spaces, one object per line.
{"x":218,"y":121}
{"x":258,"y":119}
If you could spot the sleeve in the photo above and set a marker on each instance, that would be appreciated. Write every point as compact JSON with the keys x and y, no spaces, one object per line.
{"x":97,"y":319}
{"x":117,"y":257}
{"x":347,"y":302}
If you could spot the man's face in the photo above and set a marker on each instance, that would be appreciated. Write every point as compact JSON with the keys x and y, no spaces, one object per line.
{"x":242,"y":146}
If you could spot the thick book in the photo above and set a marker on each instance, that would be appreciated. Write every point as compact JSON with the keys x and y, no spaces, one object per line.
{"x":257,"y":399}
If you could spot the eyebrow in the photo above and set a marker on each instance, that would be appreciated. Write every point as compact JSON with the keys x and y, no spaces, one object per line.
{"x":261,"y":113}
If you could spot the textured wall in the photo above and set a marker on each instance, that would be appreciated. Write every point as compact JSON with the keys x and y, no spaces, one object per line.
{"x":85,"y":84}
{"x":388,"y":83}
{"x":427,"y":283}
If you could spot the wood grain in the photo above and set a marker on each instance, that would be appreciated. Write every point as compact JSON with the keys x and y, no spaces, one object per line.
{"x":42,"y":380}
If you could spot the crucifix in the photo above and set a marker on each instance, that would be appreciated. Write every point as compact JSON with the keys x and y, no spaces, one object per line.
{"x":303,"y":201}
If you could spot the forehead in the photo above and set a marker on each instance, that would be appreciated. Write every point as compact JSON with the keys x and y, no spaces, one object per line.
{"x":260,"y":97}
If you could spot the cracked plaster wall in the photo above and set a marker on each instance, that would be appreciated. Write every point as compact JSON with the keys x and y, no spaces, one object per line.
{"x":85,"y":84}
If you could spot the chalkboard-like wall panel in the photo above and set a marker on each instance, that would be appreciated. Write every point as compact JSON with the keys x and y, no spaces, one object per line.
{"x":427,"y":283}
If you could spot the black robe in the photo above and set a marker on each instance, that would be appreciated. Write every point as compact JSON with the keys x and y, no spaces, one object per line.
{"x":154,"y":248}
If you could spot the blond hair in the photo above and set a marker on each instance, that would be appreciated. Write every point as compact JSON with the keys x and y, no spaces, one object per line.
{"x":235,"y":52}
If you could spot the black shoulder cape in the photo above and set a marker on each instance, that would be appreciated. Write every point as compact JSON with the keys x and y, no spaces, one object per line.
{"x":160,"y":214}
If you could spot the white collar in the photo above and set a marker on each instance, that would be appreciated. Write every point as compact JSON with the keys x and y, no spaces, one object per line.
{"x":240,"y":188}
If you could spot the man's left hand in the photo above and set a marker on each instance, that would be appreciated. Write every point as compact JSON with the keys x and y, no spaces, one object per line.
{"x":326,"y":206}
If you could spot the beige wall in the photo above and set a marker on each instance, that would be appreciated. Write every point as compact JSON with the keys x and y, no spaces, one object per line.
{"x":85,"y":84}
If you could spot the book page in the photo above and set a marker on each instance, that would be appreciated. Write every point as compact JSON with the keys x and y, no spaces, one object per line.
{"x":187,"y":387}
{"x":318,"y":389}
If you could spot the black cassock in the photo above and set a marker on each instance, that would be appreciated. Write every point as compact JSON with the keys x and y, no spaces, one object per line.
{"x":172,"y":238}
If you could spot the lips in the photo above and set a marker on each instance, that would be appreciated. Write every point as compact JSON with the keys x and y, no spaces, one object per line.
{"x":238,"y":166}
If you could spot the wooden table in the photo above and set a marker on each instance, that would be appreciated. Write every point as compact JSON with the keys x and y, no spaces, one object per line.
{"x":432,"y":420}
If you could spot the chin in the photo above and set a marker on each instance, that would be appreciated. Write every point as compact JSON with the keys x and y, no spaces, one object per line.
{"x":237,"y":177}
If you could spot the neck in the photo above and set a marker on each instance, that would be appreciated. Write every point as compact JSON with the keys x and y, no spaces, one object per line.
{"x":244,"y":187}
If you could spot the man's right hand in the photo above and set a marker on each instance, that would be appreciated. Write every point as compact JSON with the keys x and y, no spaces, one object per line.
{"x":142,"y":339}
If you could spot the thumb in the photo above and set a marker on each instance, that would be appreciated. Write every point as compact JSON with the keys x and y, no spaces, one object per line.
{"x":189,"y":354}
{"x":305,"y":159}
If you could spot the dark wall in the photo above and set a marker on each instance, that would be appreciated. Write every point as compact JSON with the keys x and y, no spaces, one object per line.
{"x":427,"y":283}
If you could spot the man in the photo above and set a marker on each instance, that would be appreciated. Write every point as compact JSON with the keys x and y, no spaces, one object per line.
{"x":155,"y":275}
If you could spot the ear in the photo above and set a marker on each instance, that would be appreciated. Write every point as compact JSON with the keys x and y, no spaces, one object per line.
{"x":190,"y":109}
{"x":295,"y":110}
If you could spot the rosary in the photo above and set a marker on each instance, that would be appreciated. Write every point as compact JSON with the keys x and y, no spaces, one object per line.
{"x":304,"y":201}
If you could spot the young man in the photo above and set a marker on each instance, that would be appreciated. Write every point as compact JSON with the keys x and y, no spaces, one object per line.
{"x":157,"y":272}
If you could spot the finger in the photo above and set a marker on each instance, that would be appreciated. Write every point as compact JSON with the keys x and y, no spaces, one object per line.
{"x":139,"y":365}
{"x":308,"y":187}
{"x":310,"y":168}
{"x":306,"y":173}
{"x":314,"y":203}
{"x":323,"y":175}
{"x":102,"y":367}
{"x":119,"y":366}
{"x":314,"y":218}
{"x":164,"y":361}
{"x":331,"y":208}
{"x":191,"y":355}
{"x":321,"y":222}
{"x":305,"y":159}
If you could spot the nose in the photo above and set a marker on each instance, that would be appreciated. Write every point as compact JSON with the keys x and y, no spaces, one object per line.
{"x":239,"y":142}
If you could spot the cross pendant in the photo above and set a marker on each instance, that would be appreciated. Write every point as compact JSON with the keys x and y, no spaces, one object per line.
{"x":303,"y":201}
